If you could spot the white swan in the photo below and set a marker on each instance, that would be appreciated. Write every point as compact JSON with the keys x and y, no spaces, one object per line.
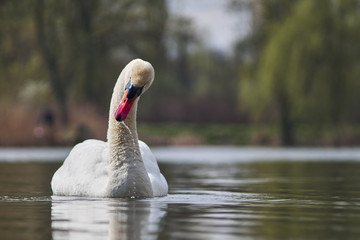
{"x":123,"y":166}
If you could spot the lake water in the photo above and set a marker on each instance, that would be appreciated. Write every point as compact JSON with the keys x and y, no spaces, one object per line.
{"x":214,"y":193}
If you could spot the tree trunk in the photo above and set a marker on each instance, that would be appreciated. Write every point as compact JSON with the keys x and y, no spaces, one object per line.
{"x":286,"y":124}
{"x":50,"y":61}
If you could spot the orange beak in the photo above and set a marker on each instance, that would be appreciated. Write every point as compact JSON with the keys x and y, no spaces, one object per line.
{"x":124,"y":107}
{"x":128,"y":99}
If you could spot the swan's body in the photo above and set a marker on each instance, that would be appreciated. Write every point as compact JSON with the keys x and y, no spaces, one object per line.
{"x":123,"y":166}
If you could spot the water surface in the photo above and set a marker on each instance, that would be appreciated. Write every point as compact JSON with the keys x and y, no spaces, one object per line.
{"x":208,"y":199}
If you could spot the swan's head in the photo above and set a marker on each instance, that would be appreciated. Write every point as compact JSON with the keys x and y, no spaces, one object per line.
{"x":139,"y":76}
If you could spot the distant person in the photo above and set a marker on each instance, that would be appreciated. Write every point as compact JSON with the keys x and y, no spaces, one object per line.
{"x":47,"y":117}
{"x":45,"y":125}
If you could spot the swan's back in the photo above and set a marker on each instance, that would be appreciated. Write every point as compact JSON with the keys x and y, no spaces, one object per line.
{"x":85,"y":171}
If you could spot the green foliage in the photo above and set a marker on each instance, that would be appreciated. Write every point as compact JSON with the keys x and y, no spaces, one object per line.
{"x":212,"y":74}
{"x":78,"y":47}
{"x":300,"y":65}
{"x":75,"y":50}
{"x":308,"y":69}
{"x":85,"y":38}
{"x":18,"y":59}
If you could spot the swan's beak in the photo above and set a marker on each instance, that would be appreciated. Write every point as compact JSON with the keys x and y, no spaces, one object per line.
{"x":128,"y":99}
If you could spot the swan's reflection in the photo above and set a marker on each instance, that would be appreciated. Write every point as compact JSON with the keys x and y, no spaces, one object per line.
{"x":83,"y":218}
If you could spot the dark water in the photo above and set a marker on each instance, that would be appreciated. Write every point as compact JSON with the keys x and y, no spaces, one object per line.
{"x":245,"y":200}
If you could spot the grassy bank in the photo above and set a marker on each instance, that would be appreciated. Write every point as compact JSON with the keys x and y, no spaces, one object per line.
{"x":245,"y":134}
{"x":206,"y":133}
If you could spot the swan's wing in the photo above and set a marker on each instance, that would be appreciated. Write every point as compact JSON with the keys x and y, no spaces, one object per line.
{"x":158,"y":182}
{"x":84,"y":172}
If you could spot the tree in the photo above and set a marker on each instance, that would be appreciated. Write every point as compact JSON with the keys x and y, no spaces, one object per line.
{"x":80,"y":42}
{"x":182,"y":36}
{"x":18,"y":60}
{"x":46,"y":32}
{"x":308,"y":70}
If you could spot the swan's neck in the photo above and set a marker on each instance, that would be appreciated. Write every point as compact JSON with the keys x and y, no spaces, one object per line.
{"x":123,"y":138}
{"x":128,"y":176}
{"x":127,"y":172}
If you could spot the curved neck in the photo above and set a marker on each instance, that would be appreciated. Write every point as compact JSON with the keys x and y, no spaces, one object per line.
{"x":122,"y":136}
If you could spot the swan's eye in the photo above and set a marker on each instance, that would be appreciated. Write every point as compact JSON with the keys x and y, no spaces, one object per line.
{"x":132,"y":90}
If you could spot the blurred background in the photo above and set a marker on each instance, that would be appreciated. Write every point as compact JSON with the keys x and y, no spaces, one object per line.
{"x":239,"y":72}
